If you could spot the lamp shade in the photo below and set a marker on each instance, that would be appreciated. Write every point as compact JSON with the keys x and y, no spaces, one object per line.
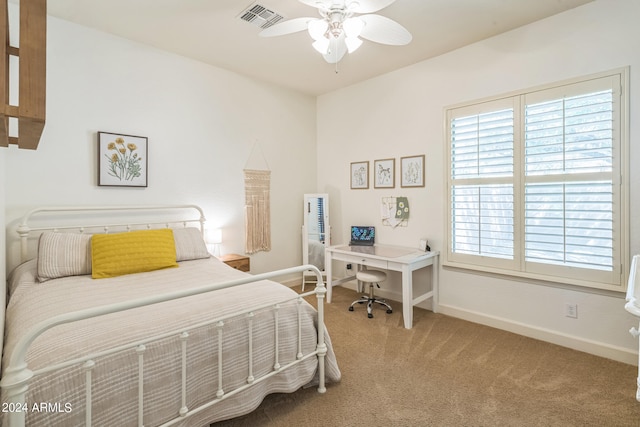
{"x":214,"y":236}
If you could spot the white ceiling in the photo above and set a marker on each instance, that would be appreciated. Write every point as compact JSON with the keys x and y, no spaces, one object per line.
{"x":211,"y":31}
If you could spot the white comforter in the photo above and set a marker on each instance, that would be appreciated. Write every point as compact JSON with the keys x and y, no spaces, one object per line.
{"x":114,"y":386}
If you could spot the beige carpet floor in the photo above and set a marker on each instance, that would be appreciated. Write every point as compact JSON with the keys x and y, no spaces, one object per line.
{"x":450,"y":372}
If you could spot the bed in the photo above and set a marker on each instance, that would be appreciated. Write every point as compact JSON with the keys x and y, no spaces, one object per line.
{"x":633,"y":305}
{"x":184,"y":344}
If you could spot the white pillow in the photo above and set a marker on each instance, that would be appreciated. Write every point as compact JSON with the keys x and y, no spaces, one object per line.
{"x":63,"y":254}
{"x":189,"y":244}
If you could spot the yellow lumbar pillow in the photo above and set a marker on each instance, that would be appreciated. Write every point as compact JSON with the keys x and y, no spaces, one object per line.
{"x":132,"y":252}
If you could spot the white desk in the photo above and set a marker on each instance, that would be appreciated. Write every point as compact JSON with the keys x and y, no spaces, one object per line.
{"x":395,"y":258}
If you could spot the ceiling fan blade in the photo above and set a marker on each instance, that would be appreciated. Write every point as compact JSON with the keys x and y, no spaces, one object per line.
{"x":337,"y":49}
{"x":286,"y":27}
{"x":368,"y":6}
{"x":318,"y":4}
{"x":357,"y":6}
{"x":383,"y":30}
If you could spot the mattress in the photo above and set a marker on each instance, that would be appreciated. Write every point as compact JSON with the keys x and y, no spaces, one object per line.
{"x":115,"y":381}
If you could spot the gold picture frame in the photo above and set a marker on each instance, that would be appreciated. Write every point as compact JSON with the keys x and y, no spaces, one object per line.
{"x":412,"y":171}
{"x":384,"y":173}
{"x":359,"y":175}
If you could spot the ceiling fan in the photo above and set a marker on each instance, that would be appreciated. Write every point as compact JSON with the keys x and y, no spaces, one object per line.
{"x":342,"y":26}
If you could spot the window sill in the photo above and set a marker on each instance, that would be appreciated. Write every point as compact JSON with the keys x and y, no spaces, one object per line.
{"x":539,"y":279}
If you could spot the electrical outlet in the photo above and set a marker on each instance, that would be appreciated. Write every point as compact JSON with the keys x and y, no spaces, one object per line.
{"x":349,"y":266}
{"x":571,"y":310}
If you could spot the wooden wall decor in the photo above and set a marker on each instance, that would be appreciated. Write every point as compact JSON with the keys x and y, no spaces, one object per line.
{"x":32,"y":58}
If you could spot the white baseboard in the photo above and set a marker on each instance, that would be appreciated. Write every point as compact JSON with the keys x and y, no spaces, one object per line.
{"x":565,"y":340}
{"x":596,"y":348}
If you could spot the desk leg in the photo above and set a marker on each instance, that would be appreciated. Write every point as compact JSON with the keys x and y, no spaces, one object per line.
{"x":435,"y":284}
{"x":327,"y":266}
{"x":407,"y":296}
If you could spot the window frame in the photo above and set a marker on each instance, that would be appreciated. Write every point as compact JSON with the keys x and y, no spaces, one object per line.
{"x":614,"y":280}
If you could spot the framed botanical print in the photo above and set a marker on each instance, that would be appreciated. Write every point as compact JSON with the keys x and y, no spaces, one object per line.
{"x":122,"y":160}
{"x":384,"y":173}
{"x":412,"y":171}
{"x":360,"y":175}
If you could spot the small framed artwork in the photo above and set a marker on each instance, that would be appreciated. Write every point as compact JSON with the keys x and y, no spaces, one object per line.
{"x":360,"y":175}
{"x":122,"y":160}
{"x":412,"y":171}
{"x":384,"y":173}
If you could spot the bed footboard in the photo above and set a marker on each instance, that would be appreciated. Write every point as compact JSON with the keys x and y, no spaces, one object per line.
{"x":633,"y":305}
{"x":17,"y":376}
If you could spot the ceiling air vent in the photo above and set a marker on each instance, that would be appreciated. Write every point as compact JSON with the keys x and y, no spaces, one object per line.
{"x":261,"y":16}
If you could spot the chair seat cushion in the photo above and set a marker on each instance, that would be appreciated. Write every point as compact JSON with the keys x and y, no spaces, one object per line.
{"x":371,"y":276}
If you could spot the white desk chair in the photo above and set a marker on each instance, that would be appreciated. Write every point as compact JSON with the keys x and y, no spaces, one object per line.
{"x":372,"y":277}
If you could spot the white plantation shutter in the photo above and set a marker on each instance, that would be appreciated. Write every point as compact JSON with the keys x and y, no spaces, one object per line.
{"x":535,"y":184}
{"x":570,"y":224}
{"x":570,"y":135}
{"x":482,"y":145}
{"x":483,"y":220}
{"x":570,"y":138}
{"x":481,"y":205}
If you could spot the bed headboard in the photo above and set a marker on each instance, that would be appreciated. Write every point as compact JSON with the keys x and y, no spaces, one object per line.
{"x":95,"y":219}
{"x":104,"y":219}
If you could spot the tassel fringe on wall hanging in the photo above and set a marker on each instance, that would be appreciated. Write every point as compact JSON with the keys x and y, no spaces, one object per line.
{"x":257,"y":184}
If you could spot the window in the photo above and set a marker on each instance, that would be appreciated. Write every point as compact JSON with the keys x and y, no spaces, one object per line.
{"x":535,"y":183}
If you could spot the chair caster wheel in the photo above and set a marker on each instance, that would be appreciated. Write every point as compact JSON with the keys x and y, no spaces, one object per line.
{"x":350,"y":308}
{"x":389,"y":311}
{"x":370,"y":316}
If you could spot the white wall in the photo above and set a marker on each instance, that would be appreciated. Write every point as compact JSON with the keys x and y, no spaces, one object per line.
{"x":202,"y":123}
{"x":401,"y":114}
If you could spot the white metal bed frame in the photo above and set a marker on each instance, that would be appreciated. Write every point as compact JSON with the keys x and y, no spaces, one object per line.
{"x":15,"y":379}
{"x":633,"y":305}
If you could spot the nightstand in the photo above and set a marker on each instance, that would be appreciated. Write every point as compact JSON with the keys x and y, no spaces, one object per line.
{"x":239,"y":262}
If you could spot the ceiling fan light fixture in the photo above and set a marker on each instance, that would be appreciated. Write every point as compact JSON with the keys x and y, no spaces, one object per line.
{"x":353,"y":27}
{"x":339,"y":30}
{"x":321,"y":45}
{"x":318,"y":28}
{"x":352,"y":43}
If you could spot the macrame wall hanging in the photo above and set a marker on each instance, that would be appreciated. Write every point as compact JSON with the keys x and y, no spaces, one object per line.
{"x":257,"y":187}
